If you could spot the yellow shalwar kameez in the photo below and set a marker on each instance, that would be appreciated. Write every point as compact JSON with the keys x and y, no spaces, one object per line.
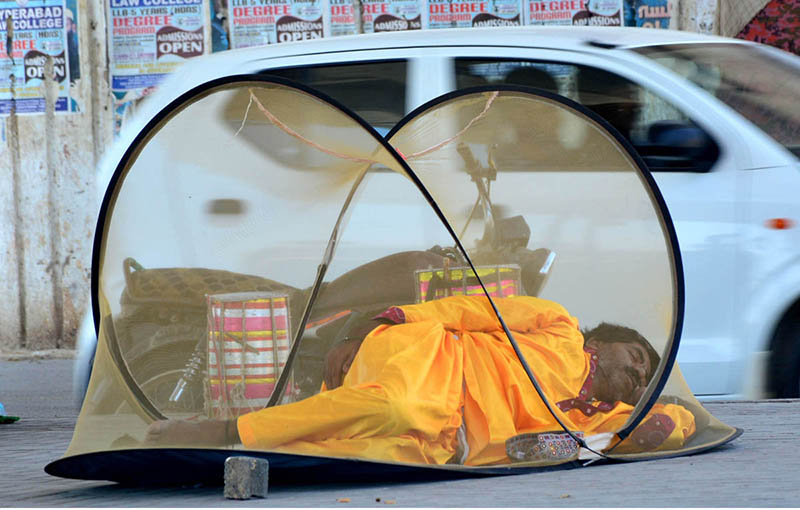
{"x":412,"y":385}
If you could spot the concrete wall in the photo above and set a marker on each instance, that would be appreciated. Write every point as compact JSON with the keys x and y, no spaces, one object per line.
{"x":47,"y":202}
{"x":695,"y":16}
{"x":47,"y":193}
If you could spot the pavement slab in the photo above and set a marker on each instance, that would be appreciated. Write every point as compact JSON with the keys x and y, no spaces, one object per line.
{"x":759,"y":469}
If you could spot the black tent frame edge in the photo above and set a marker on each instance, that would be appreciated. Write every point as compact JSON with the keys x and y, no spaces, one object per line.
{"x":56,"y":467}
{"x":656,"y":195}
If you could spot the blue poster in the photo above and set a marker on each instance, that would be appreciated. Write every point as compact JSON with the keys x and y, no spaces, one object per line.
{"x":219,"y":25}
{"x":647,"y":13}
{"x":71,"y":27}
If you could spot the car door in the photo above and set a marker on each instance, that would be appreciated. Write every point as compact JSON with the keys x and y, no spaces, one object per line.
{"x":702,"y":189}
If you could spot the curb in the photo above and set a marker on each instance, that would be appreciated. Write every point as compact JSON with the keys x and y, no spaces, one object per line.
{"x":46,"y":354}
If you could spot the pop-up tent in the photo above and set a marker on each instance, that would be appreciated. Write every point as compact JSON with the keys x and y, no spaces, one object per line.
{"x":277,"y":280}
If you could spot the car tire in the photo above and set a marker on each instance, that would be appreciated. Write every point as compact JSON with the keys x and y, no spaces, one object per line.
{"x":783,"y":378}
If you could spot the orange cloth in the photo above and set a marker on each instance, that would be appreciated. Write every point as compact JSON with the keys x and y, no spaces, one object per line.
{"x":411,"y":385}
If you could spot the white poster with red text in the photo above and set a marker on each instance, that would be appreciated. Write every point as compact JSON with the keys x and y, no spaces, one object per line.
{"x":260,"y":22}
{"x":393,"y":15}
{"x":474,"y":13}
{"x":343,"y":17}
{"x":148,"y":39}
{"x":604,"y":13}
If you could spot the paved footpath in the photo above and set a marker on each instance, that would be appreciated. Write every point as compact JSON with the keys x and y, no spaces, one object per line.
{"x":760,"y":468}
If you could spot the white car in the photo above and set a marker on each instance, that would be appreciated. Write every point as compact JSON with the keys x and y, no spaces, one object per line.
{"x":717,"y":121}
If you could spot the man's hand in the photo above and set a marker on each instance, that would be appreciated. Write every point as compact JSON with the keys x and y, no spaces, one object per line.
{"x":192,"y":433}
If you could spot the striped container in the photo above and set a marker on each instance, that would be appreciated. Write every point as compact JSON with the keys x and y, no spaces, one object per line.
{"x":248,"y":343}
{"x":500,"y":281}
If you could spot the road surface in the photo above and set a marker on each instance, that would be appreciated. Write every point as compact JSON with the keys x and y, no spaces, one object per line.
{"x":760,"y":468}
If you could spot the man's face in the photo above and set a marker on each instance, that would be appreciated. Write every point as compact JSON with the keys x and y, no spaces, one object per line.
{"x":622,"y":371}
{"x":338,"y":361}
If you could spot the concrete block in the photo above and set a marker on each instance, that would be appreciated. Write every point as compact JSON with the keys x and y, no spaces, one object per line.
{"x":246,"y":477}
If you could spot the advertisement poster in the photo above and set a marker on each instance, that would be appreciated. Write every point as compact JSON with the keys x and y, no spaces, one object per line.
{"x":647,"y":13}
{"x":148,"y":39}
{"x":474,"y":13}
{"x":73,"y":52}
{"x":30,"y":36}
{"x":344,"y":20}
{"x":604,"y":13}
{"x":218,"y":11}
{"x":393,"y":15}
{"x":260,"y":22}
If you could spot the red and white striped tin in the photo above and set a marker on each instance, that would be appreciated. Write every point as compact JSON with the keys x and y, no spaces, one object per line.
{"x":248,"y":343}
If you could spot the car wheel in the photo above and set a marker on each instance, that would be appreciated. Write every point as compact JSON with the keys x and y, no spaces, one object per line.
{"x":784,"y":367}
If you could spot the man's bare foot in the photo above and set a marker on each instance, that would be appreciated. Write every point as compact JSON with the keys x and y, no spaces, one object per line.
{"x":191,"y":433}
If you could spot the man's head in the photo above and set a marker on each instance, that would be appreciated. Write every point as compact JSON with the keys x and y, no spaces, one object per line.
{"x":626,"y":363}
{"x":338,"y":361}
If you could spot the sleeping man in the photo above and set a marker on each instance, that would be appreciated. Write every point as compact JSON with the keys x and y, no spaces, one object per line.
{"x":439,"y":382}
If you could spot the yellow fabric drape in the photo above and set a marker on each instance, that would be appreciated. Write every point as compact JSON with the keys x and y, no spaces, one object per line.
{"x":411,"y":385}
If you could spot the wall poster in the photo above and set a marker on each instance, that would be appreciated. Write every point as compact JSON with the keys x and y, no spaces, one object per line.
{"x":605,"y":13}
{"x":474,"y":13}
{"x":647,"y":13}
{"x":31,"y":35}
{"x":260,"y":22}
{"x":148,"y":39}
{"x":344,"y":17}
{"x":393,"y":15}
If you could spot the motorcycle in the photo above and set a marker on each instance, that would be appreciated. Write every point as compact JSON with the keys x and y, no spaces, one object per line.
{"x":163,"y":343}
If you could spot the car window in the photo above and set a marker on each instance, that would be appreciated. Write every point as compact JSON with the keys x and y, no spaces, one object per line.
{"x":376,"y":91}
{"x":756,"y":83}
{"x":666,"y":138}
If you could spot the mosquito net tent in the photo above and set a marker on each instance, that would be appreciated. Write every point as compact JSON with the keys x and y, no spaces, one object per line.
{"x":494,"y":287}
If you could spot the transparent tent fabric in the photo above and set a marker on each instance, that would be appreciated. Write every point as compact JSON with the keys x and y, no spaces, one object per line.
{"x":534,"y":166}
{"x":260,"y":245}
